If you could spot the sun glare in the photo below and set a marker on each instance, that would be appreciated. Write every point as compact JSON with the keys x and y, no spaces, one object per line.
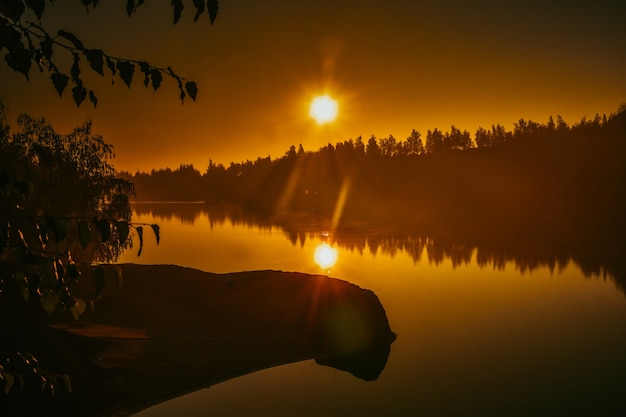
{"x":325,"y":256}
{"x":323,"y":109}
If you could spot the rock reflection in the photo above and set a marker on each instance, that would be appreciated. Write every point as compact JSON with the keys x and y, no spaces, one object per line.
{"x":366,"y":364}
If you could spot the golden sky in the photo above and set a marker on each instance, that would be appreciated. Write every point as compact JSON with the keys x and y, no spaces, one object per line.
{"x":393,"y":66}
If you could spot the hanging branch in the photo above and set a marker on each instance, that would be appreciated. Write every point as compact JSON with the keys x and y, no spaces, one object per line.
{"x":29,"y":43}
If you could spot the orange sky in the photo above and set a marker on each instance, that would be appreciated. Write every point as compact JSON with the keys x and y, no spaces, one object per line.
{"x":393,"y":65}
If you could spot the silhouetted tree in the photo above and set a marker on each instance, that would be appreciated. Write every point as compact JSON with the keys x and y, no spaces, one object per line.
{"x":434,"y":141}
{"x":388,"y":146}
{"x":61,"y":205}
{"x":457,"y":140}
{"x":291,"y":153}
{"x":413,"y":145}
{"x":561,"y":125}
{"x":551,"y":126}
{"x":372,"y":148}
{"x":499,"y":135}
{"x":482,"y":138}
{"x":61,"y":201}
{"x":359,"y":146}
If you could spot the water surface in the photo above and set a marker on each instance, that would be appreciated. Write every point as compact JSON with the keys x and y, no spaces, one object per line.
{"x":476,"y":336}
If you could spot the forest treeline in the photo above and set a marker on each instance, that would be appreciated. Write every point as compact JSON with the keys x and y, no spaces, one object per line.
{"x":570,"y":178}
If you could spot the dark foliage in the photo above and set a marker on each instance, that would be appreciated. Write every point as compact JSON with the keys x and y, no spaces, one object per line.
{"x":26,"y":44}
{"x":62,"y":209}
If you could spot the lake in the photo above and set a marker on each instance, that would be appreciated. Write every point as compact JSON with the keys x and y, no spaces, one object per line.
{"x":477,"y":334}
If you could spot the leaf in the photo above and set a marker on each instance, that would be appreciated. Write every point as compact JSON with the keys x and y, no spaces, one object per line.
{"x":72,"y":272}
{"x":49,"y":301}
{"x":78,"y":308}
{"x":95,"y":57}
{"x":182,"y":92}
{"x":75,"y":70}
{"x":100,"y":281}
{"x":140,"y":234}
{"x":72,"y":38}
{"x":20,"y":381}
{"x":178,"y":9}
{"x":145,"y":68}
{"x":111,"y":66}
{"x":13,"y":9}
{"x":42,"y":231}
{"x":9,"y":37}
{"x":79,"y":93}
{"x":23,"y":286}
{"x":130,"y":6}
{"x":37,"y":6}
{"x":126,"y":70}
{"x":156,"y":229}
{"x":56,"y":226}
{"x":46,"y":47}
{"x":104,"y":227}
{"x":84,"y":235}
{"x":200,"y":5}
{"x":58,"y":269}
{"x":19,"y":61}
{"x":34,"y":285}
{"x":122,"y":231}
{"x":43,"y":383}
{"x":156,"y":77}
{"x":60,"y":82}
{"x":29,"y":359}
{"x":93,"y":98}
{"x":213,"y":6}
{"x":192,"y":89}
{"x":22,"y":239}
{"x":9,"y":381}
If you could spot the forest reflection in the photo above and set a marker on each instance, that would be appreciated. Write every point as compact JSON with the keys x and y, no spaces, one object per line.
{"x":526,"y":257}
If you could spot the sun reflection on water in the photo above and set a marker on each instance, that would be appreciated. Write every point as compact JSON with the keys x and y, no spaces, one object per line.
{"x":325,"y":255}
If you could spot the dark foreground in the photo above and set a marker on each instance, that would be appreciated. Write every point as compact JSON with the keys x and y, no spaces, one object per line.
{"x":171,"y":330}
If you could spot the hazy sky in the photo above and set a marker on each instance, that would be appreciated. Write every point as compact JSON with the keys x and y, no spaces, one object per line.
{"x":393,"y":65}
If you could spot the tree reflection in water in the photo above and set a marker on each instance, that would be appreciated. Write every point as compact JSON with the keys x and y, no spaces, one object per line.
{"x":491,"y":252}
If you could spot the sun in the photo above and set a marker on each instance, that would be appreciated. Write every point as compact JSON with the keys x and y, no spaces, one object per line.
{"x":323,"y":109}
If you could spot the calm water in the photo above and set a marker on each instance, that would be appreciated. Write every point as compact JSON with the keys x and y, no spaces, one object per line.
{"x":494,"y":339}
